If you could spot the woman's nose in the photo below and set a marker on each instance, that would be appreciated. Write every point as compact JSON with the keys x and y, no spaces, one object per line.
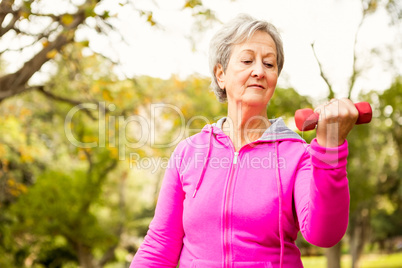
{"x":258,"y":70}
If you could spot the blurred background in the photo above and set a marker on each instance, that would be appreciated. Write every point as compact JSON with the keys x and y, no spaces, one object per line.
{"x":95,"y":95}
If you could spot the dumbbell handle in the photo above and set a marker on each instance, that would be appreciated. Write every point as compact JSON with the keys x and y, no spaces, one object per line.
{"x":306,"y":119}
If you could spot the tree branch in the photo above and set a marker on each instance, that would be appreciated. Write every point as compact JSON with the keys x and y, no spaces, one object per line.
{"x":50,"y":95}
{"x":54,"y":17}
{"x":10,"y":26}
{"x":5,"y":9}
{"x":14,"y":83}
{"x":108,"y":255}
{"x":90,"y":163}
{"x":112,"y":28}
{"x":54,"y":97}
{"x":37,"y":38}
{"x":324,"y":77}
{"x":355,"y":71}
{"x":106,"y":170}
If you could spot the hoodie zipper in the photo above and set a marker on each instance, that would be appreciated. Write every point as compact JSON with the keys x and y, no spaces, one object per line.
{"x":226,"y":243}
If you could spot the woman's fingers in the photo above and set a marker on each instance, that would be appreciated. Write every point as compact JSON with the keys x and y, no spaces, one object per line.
{"x":336,"y":118}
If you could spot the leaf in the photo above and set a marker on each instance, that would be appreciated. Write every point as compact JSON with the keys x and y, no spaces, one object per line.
{"x":15,"y":188}
{"x":24,"y":113}
{"x":3,"y":153}
{"x":192,"y":3}
{"x":149,"y":16}
{"x":25,"y":15}
{"x":89,"y":12}
{"x":51,"y":54}
{"x":85,"y":43}
{"x":150,"y":19}
{"x":27,"y":5}
{"x":67,"y":19}
{"x":106,"y":95}
{"x":106,"y":14}
{"x":114,"y":152}
{"x":45,"y":43}
{"x":95,"y":88}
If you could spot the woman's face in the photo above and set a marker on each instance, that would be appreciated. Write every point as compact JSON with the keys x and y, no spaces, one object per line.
{"x":252,"y":72}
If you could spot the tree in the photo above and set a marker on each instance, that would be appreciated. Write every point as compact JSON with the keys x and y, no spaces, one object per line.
{"x":47,"y":32}
{"x":56,"y":214}
{"x":360,"y":212}
{"x":59,"y":31}
{"x":52,"y":217}
{"x":374,"y":168}
{"x":385,"y":217}
{"x":27,"y":26}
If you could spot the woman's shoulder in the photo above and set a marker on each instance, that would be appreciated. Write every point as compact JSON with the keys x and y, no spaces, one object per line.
{"x":197,"y":141}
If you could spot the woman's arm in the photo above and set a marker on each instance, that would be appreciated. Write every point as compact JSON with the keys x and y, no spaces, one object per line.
{"x":322,"y":194}
{"x":163,"y":243}
{"x":321,"y":188}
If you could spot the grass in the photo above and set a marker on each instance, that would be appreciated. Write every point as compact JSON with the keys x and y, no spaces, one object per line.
{"x":367,"y":261}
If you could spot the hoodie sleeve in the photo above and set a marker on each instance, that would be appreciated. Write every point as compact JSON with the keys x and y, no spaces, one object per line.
{"x":163,"y":243}
{"x":322,"y":194}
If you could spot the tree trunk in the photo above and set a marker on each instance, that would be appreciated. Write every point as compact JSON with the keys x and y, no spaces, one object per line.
{"x":85,"y":257}
{"x":334,"y":256}
{"x":359,"y":236}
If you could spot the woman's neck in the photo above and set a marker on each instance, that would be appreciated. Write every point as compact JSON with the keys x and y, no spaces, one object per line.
{"x":245,"y":124}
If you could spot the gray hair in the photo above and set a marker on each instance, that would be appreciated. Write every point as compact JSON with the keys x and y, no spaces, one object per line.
{"x":237,"y":31}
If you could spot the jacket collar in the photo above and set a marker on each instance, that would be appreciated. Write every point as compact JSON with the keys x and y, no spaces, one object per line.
{"x":278,"y":131}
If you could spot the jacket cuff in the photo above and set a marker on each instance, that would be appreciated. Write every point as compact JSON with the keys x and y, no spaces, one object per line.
{"x":328,"y":158}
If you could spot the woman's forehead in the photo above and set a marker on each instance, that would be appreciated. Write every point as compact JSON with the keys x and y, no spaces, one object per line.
{"x":258,"y":42}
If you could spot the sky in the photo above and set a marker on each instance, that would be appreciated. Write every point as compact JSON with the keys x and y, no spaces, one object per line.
{"x":330,"y":24}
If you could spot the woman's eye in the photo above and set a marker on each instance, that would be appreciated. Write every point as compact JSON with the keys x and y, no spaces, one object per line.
{"x":247,"y":61}
{"x":269,"y":65}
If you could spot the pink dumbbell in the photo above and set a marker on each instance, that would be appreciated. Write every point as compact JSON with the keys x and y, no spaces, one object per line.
{"x":306,"y":119}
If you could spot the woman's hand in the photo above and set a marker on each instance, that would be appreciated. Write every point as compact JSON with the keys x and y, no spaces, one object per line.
{"x":336,"y":120}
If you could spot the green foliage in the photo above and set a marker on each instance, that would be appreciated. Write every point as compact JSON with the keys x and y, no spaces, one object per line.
{"x":368,"y":261}
{"x":386,"y":220}
{"x":286,"y":101}
{"x":53,"y":202}
{"x":60,"y":202}
{"x":87,"y":199}
{"x":58,"y":205}
{"x":284,"y":104}
{"x":374,"y":168}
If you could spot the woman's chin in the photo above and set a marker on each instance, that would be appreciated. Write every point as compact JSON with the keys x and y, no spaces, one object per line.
{"x":254,"y":100}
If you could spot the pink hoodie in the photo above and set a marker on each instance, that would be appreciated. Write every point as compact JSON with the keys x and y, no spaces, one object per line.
{"x":221,"y":208}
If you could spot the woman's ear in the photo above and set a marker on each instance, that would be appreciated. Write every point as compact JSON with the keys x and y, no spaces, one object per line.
{"x":220,"y":76}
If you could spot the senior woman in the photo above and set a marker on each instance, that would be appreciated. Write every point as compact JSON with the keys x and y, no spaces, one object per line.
{"x":237,"y":193}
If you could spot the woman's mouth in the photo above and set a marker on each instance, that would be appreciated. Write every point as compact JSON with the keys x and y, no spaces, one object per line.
{"x":256,"y":86}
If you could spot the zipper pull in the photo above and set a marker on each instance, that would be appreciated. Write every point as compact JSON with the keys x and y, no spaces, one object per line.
{"x":235,"y":157}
